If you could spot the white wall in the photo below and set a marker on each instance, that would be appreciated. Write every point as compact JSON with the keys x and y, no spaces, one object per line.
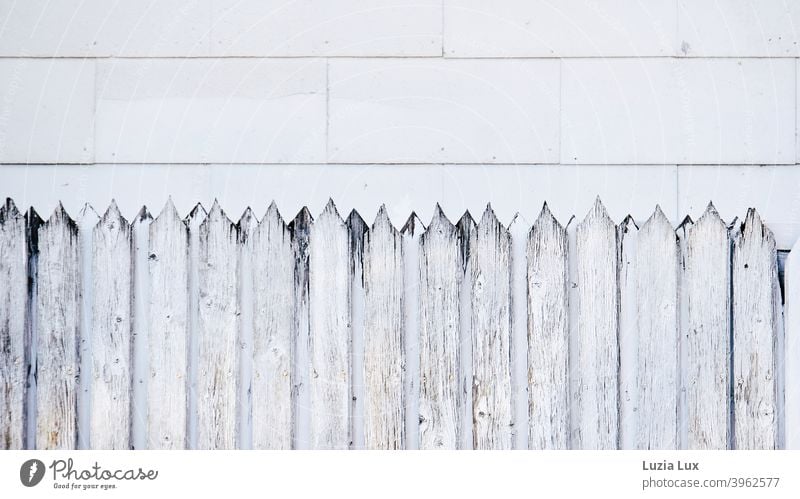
{"x":409,"y":103}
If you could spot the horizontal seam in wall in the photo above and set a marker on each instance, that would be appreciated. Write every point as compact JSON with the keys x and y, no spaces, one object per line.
{"x":381,"y":57}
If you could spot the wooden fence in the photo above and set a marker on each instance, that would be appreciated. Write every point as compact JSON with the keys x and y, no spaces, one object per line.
{"x":325,"y":333}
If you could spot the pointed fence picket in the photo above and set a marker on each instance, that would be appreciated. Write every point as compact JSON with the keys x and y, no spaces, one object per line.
{"x":13,"y":338}
{"x":332,"y":334}
{"x":111,"y":345}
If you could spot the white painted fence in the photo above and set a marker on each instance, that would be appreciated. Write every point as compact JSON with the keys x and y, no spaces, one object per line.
{"x":326,"y":333}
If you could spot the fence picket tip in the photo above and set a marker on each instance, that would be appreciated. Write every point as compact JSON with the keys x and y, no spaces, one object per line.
{"x":197,"y":212}
{"x":8,"y":210}
{"x":217,"y":214}
{"x":596,"y":212}
{"x":330,"y":208}
{"x":439,"y":221}
{"x":246,"y":225}
{"x":466,"y":222}
{"x":546,"y":216}
{"x":272,"y":212}
{"x":302,"y":219}
{"x":355,"y":221}
{"x":686,"y":222}
{"x":382,"y":220}
{"x":410,"y":226}
{"x":112,"y":213}
{"x":628,"y":223}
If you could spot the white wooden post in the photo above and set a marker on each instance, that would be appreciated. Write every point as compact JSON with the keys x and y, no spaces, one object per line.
{"x":707,"y":291}
{"x":440,"y":400}
{"x":58,"y":326}
{"x":489,"y":269}
{"x":300,"y":229}
{"x":598,"y":325}
{"x":358,"y":232}
{"x":627,"y":239}
{"x":384,"y":330}
{"x":246,"y":225}
{"x":218,"y":346}
{"x":657,"y":326}
{"x":754,"y":336}
{"x":548,"y":334}
{"x":273,"y":328}
{"x":411,"y":234}
{"x":168,"y":332}
{"x":110,"y":404}
{"x":330,"y":331}
{"x":13,"y":341}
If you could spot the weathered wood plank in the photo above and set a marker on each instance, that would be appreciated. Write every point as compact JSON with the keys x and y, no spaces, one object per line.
{"x":58,"y":326}
{"x":706,"y":286}
{"x":273,"y":331}
{"x":657,"y":325}
{"x":627,"y":239}
{"x":300,"y":229}
{"x":754,"y":336}
{"x":411,"y":233}
{"x":440,"y":396}
{"x":218,"y":344}
{"x":168,"y":332}
{"x":598,"y":324}
{"x":384,"y":356}
{"x":247,"y":225}
{"x":519,"y":229}
{"x":490,"y":294}
{"x":13,"y":340}
{"x":548,"y":334}
{"x":87,"y":221}
{"x":140,"y":322}
{"x":791,"y":309}
{"x":466,"y":228}
{"x":193,"y":221}
{"x":329,"y":307}
{"x":111,"y":333}
{"x":32,"y":224}
{"x":358,"y":232}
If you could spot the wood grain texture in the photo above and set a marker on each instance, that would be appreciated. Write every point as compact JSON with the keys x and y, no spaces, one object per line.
{"x":140,"y":321}
{"x":466,"y":228}
{"x":58,"y":326}
{"x":754,"y":336}
{"x":657,"y":325}
{"x":32,"y":224}
{"x":792,"y":324}
{"x":706,"y":285}
{"x":111,"y":333}
{"x":358,"y":231}
{"x":87,"y":221}
{"x":273,"y":332}
{"x":489,"y":267}
{"x":627,"y":240}
{"x":519,"y":229}
{"x":384,"y":355}
{"x":193,"y":221}
{"x":330,"y":332}
{"x":168,"y":332}
{"x":440,"y":396}
{"x":411,"y":233}
{"x":300,"y":228}
{"x":218,"y":344}
{"x":598,"y":323}
{"x":246,"y":227}
{"x":548,"y":334}
{"x":13,"y":341}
